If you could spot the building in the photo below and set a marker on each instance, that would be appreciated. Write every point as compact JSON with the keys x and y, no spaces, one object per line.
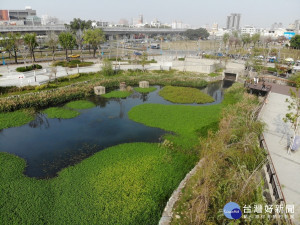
{"x":233,"y":21}
{"x":49,"y":20}
{"x":19,"y":17}
{"x":214,"y":27}
{"x":156,"y":23}
{"x":33,"y":20}
{"x":21,"y":14}
{"x":4,"y":15}
{"x":248,"y":30}
{"x":141,"y":19}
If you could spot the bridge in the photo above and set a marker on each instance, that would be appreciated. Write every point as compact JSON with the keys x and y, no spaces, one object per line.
{"x":42,"y":30}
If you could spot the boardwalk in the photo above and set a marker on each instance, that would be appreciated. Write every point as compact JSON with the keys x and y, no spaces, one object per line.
{"x":277,"y":136}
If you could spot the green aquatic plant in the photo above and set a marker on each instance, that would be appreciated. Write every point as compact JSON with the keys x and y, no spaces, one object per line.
{"x":60,"y":113}
{"x":80,"y":104}
{"x":145,"y":90}
{"x":117,"y":94}
{"x":185,"y":95}
{"x":16,"y":118}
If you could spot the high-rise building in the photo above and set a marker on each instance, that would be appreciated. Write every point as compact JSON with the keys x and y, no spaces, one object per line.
{"x":141,"y":19}
{"x":233,"y":21}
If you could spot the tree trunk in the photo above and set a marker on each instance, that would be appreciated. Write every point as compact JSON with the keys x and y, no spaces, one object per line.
{"x":33,"y":56}
{"x":53,"y":54}
{"x":81,"y":56}
{"x":16,"y":57}
{"x":95,"y":52}
{"x":66,"y":54}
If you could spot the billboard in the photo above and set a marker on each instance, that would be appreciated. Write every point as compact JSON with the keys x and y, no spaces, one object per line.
{"x":289,"y":35}
{"x":4,"y":15}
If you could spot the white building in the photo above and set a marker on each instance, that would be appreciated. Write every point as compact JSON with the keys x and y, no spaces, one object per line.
{"x":248,"y":30}
{"x":49,"y":20}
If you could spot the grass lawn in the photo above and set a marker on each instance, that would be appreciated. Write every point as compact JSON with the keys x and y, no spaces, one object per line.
{"x":145,"y":90}
{"x":117,"y":94}
{"x":81,"y":104}
{"x":15,"y":119}
{"x":60,"y":113}
{"x":184,"y":95}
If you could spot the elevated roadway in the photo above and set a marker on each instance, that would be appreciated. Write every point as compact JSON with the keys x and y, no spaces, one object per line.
{"x":108,"y":30}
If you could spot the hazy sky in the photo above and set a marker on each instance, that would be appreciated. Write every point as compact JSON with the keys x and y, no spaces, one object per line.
{"x":261,"y":13}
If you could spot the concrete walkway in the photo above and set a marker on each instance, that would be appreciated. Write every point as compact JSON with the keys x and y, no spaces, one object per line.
{"x":277,"y":136}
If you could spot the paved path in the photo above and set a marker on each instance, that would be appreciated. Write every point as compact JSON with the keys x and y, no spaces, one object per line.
{"x":277,"y":136}
{"x":12,"y":78}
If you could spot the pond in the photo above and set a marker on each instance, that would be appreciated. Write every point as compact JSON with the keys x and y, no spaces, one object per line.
{"x":48,"y":145}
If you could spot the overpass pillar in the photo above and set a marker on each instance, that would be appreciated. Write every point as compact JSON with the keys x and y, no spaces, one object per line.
{"x":131,"y":36}
{"x":111,"y":37}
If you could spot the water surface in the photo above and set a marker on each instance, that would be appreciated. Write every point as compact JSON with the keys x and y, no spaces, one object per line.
{"x":48,"y":145}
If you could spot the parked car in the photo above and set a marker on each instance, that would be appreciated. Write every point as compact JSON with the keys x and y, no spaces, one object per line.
{"x":73,"y":56}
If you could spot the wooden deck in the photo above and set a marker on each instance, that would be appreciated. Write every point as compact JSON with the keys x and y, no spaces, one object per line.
{"x":258,"y":88}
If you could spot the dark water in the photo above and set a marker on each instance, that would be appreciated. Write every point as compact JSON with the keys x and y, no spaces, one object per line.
{"x":48,"y":145}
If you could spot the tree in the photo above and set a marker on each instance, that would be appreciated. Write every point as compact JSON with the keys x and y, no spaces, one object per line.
{"x":295,"y":42}
{"x":255,"y":38}
{"x":67,"y":41}
{"x":24,"y":51}
{"x":196,"y":34}
{"x":246,"y":39}
{"x":77,"y":27}
{"x":52,"y":41}
{"x":94,"y":38}
{"x":225,"y":39}
{"x":144,"y":59}
{"x":11,"y":43}
{"x":78,"y":24}
{"x":30,"y":41}
{"x":294,"y":112}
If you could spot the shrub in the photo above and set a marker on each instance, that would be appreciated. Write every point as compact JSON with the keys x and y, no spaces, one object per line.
{"x":213,"y":74}
{"x":181,"y":59}
{"x":107,"y":69}
{"x":271,"y":69}
{"x":29,"y":68}
{"x":72,"y":63}
{"x":11,"y":89}
{"x":45,"y":86}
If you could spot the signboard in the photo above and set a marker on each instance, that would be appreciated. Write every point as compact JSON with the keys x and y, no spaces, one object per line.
{"x":289,"y":35}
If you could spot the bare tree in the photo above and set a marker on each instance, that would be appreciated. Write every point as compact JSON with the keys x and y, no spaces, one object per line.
{"x":24,"y":51}
{"x":54,"y":72}
{"x":52,"y":41}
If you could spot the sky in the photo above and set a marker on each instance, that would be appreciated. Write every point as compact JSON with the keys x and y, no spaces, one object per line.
{"x":260,"y":13}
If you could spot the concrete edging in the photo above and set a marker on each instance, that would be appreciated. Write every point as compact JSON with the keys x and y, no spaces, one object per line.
{"x":168,"y":211}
